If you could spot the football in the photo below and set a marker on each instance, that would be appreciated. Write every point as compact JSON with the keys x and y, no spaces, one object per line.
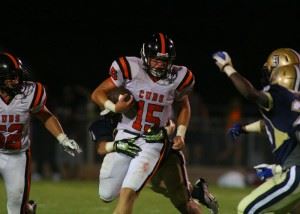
{"x":114,"y":96}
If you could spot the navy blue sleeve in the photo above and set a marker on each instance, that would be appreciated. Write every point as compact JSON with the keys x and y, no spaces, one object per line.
{"x":281,"y":115}
{"x":101,"y":130}
{"x":281,"y":96}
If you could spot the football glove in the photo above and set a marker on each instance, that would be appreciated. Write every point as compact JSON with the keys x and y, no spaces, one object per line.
{"x":265,"y":171}
{"x":235,"y":131}
{"x":69,"y":145}
{"x":127,"y":147}
{"x":222,"y":59}
{"x":155,"y":134}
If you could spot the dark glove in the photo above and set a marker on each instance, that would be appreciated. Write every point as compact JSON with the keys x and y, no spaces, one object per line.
{"x":235,"y":131}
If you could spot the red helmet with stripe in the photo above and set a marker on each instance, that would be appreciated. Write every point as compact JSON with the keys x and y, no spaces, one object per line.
{"x":10,"y":69}
{"x":159,"y":47}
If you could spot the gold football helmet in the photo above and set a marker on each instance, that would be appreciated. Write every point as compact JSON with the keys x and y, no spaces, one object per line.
{"x":281,"y":57}
{"x":287,"y":76}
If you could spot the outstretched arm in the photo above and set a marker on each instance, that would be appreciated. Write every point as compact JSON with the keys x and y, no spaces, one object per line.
{"x":223,"y":61}
{"x":237,"y":129}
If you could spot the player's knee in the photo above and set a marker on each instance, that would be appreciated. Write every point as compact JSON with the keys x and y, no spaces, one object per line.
{"x":107,"y":193}
{"x":106,"y":198}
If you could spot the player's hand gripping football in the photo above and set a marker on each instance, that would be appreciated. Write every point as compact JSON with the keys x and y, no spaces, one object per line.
{"x":127,"y":147}
{"x":124,"y":104}
{"x":69,"y":145}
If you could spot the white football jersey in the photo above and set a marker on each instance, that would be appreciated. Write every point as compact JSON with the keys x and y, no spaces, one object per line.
{"x":154,"y":99}
{"x":15,"y":117}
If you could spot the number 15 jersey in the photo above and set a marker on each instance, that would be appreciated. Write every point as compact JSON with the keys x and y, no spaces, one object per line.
{"x":154,"y":99}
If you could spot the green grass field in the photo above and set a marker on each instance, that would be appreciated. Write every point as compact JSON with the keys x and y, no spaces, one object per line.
{"x":81,"y":197}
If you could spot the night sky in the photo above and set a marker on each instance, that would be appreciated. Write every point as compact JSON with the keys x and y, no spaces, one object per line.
{"x":75,"y":43}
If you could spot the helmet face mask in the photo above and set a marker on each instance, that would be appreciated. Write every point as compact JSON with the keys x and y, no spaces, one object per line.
{"x":286,"y":76}
{"x":159,"y":67}
{"x":158,"y":55}
{"x":11,"y":74}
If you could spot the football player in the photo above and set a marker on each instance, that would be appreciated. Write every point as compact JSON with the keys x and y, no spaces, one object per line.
{"x":279,"y":106}
{"x":277,"y":58}
{"x":21,"y":99}
{"x":155,"y":84}
{"x":172,"y":172}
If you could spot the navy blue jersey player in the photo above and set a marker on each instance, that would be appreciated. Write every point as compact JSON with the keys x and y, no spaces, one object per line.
{"x":279,"y":105}
{"x":171,"y":172}
{"x":277,"y":58}
{"x":282,"y":121}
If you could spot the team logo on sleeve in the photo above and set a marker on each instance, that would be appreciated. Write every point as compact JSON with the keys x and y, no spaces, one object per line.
{"x":113,"y":73}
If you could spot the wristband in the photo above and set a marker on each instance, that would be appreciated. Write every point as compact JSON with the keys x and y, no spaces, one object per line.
{"x":61,"y":137}
{"x":229,"y":70}
{"x":109,"y":146}
{"x":108,"y":104}
{"x":181,"y":129}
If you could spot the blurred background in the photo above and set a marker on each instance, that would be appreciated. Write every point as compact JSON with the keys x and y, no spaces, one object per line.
{"x":69,"y":47}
